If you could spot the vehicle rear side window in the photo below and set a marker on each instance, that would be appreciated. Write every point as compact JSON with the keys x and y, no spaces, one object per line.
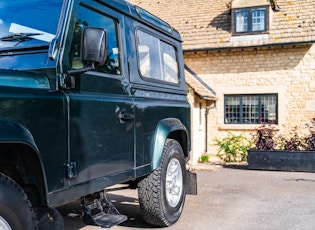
{"x":157,"y":59}
{"x":90,"y":18}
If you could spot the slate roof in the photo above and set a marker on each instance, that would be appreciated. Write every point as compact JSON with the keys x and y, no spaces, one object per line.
{"x":206,"y":24}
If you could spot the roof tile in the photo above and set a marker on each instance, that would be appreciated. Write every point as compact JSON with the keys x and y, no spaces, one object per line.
{"x":206,"y":24}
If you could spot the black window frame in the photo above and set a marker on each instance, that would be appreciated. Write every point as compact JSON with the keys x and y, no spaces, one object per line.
{"x":113,"y":64}
{"x":250,"y":11}
{"x":161,"y":61}
{"x":231,"y":116}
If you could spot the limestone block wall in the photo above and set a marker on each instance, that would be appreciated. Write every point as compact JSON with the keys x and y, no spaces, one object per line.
{"x":288,"y":71}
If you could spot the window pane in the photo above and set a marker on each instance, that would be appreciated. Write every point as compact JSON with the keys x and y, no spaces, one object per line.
{"x":87,"y":18}
{"x":258,"y":20}
{"x":149,"y":55}
{"x":241,"y":22}
{"x":144,"y":53}
{"x":232,"y":109}
{"x":157,"y":59}
{"x":170,"y":66}
{"x":250,"y":109}
{"x":268,"y":113}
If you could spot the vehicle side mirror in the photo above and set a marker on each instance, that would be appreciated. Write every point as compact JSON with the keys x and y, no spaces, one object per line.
{"x":93,"y":53}
{"x":93,"y":47}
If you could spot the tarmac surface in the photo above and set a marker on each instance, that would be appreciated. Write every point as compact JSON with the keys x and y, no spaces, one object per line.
{"x":229,"y":198}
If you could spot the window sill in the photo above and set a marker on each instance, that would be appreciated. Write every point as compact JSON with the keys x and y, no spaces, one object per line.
{"x":241,"y":126}
{"x":243,"y":38}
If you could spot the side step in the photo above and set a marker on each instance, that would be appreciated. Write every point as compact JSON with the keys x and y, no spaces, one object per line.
{"x":101,"y":212}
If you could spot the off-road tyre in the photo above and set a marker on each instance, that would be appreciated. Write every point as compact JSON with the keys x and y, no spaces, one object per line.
{"x":15,"y":209}
{"x":158,"y":205}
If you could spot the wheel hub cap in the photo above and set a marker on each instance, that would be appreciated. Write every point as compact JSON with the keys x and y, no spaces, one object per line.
{"x":174,"y":182}
{"x":4,"y":225}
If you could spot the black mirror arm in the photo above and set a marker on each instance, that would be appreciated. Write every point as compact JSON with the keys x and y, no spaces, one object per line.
{"x":69,"y":80}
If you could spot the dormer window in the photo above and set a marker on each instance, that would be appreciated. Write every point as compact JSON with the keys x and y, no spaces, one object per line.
{"x":250,"y":20}
{"x":250,"y":17}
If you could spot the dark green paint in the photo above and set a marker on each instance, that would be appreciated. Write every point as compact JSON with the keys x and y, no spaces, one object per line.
{"x":112,"y":127}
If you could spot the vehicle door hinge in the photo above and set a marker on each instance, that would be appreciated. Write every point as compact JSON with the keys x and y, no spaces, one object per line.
{"x":66,"y":82}
{"x":71,"y":170}
{"x":62,"y":80}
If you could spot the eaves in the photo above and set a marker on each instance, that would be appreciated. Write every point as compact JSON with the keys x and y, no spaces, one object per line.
{"x":249,"y":47}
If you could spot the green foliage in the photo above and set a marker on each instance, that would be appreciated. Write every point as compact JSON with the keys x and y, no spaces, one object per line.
{"x":233,"y":148}
{"x":204,"y":158}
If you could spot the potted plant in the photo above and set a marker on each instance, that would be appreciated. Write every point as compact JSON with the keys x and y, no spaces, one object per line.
{"x":274,"y":151}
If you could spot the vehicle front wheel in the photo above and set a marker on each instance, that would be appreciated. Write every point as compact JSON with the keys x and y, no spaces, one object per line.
{"x":162,"y":193}
{"x":15,"y":209}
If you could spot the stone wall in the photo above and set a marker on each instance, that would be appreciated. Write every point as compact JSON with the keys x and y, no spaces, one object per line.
{"x":288,"y":71}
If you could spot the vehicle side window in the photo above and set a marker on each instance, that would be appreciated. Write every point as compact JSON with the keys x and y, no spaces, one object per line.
{"x":89,"y":18}
{"x":157,"y":59}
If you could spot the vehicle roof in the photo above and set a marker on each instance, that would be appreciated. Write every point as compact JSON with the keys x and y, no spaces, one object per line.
{"x":142,"y":15}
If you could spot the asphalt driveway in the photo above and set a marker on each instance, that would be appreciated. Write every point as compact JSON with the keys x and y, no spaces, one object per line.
{"x":228,"y":198}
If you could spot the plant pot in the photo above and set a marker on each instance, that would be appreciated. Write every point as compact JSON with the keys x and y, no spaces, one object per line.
{"x":282,"y":160}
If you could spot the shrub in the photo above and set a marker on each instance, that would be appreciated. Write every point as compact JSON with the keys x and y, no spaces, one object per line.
{"x":309,"y":140}
{"x":293,"y":142}
{"x":264,"y":137}
{"x":233,"y":148}
{"x":267,"y":138}
{"x":204,"y":158}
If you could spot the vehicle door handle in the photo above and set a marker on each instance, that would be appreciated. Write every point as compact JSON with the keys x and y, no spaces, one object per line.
{"x":125,"y":116}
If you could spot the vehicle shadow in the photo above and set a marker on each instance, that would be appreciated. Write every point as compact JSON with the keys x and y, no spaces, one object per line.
{"x":236,"y":166}
{"x":126,"y":204}
{"x":129,"y":206}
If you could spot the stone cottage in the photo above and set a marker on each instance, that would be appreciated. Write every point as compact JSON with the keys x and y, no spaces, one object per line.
{"x":248,"y":62}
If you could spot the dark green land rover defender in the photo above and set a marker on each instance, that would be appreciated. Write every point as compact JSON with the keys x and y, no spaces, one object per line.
{"x":92,"y":94}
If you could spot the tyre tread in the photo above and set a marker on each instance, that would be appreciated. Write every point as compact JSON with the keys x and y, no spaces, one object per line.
{"x":16,"y":189}
{"x":149,"y":194}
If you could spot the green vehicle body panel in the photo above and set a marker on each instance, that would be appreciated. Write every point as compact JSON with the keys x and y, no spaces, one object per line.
{"x":108,"y":128}
{"x":11,"y":131}
{"x":164,"y":129}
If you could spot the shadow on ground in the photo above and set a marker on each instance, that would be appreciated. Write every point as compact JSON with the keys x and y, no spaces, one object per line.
{"x":236,"y":166}
{"x":125,"y":202}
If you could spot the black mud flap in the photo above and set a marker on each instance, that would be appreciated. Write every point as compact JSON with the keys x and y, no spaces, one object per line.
{"x":191,"y":186}
{"x":101,"y":212}
{"x":49,"y":219}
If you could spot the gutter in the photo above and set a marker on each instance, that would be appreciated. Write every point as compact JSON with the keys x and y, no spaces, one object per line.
{"x":249,"y":47}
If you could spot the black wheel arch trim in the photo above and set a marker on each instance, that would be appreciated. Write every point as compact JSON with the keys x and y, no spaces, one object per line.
{"x":15,"y":137}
